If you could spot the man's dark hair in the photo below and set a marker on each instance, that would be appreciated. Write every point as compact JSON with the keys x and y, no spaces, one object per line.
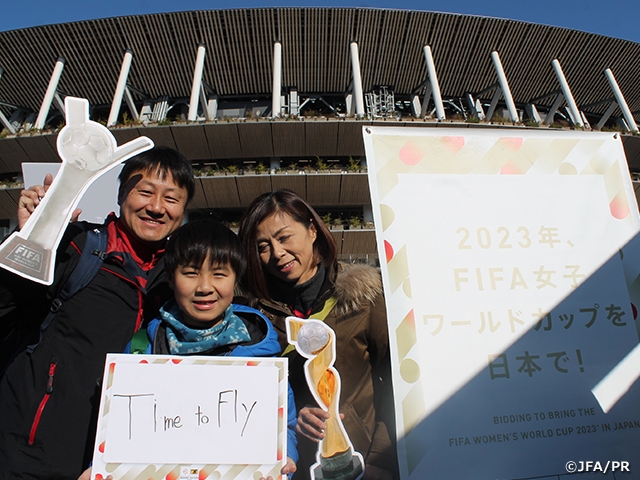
{"x":162,"y":161}
{"x":190,"y":245}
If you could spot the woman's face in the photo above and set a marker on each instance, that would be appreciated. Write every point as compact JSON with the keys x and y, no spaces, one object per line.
{"x":285,"y":247}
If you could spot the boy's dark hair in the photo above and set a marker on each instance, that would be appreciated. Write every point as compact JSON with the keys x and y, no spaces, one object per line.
{"x":190,"y":244}
{"x":282,"y":201}
{"x":163,"y":161}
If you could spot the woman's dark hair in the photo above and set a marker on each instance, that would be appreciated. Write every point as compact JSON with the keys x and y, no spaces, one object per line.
{"x":162,"y":161}
{"x":290,"y":203}
{"x":191,"y":243}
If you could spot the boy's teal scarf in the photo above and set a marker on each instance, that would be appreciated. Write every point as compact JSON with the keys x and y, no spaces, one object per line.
{"x":190,"y":341}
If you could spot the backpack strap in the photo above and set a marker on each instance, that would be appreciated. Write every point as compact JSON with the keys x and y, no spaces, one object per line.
{"x":91,"y":259}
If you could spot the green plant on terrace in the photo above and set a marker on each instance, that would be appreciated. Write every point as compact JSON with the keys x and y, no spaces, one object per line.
{"x":321,"y":165}
{"x":354,"y":164}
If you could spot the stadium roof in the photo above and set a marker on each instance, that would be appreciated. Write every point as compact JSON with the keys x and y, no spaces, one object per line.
{"x":315,"y":52}
{"x":316,"y":60}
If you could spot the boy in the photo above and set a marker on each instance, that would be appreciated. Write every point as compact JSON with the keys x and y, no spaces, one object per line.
{"x":204,"y":261}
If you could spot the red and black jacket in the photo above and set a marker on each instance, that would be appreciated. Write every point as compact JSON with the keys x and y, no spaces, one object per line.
{"x":49,"y":397}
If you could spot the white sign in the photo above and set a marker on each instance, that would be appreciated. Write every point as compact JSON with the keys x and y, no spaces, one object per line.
{"x":207,"y":413}
{"x":508,"y":298}
{"x":100,"y":199}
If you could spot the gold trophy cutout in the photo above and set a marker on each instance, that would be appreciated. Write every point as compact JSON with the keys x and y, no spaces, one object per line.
{"x":315,"y":341}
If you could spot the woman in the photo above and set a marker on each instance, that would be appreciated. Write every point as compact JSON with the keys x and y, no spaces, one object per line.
{"x":292,"y":270}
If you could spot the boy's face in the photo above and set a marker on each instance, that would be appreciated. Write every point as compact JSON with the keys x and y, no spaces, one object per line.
{"x":203,"y":293}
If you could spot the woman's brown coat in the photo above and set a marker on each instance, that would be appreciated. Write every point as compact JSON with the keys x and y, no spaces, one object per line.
{"x":362,"y":359}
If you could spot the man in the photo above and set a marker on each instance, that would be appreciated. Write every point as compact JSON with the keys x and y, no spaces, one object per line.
{"x":49,"y":396}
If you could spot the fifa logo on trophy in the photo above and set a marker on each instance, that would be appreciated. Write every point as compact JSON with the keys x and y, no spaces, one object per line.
{"x":315,"y":341}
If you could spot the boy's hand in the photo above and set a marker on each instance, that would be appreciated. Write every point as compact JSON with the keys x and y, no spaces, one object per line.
{"x":86,"y":475}
{"x":289,"y":468}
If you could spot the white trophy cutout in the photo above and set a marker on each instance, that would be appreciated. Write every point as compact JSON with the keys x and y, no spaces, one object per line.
{"x":87,"y":150}
{"x":314,"y":340}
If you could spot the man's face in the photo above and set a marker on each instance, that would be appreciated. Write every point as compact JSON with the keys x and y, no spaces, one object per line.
{"x":152,"y":207}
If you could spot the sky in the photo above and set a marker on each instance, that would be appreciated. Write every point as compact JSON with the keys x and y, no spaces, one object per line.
{"x":595,"y":16}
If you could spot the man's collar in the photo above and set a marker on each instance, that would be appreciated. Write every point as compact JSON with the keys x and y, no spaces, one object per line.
{"x":122,"y":240}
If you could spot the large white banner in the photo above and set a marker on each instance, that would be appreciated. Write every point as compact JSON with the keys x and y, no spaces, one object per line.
{"x":509,"y":260}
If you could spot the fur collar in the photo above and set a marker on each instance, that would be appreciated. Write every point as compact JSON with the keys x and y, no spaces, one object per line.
{"x":356,"y":286}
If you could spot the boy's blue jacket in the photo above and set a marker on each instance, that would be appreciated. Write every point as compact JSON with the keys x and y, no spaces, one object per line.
{"x":263,"y":343}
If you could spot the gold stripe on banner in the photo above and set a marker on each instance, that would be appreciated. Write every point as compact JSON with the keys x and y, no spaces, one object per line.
{"x":398,"y":268}
{"x":388,"y":216}
{"x":406,"y":287}
{"x":411,"y":406}
{"x":406,"y":335}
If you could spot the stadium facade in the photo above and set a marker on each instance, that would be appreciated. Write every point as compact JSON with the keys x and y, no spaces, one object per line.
{"x":261,"y":99}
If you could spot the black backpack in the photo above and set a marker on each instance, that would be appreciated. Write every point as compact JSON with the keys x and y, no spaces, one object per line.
{"x":23,"y":331}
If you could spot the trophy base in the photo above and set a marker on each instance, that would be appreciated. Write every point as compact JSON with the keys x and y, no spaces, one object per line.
{"x":341,"y":466}
{"x":27,"y":259}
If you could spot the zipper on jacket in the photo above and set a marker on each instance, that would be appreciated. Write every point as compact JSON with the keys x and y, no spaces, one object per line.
{"x":43,"y":402}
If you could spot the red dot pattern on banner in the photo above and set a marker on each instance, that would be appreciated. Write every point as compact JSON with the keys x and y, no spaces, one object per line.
{"x":101,"y":447}
{"x":112,"y":368}
{"x":281,"y":412}
{"x":279,"y":454}
{"x":176,"y":360}
{"x":253,"y":363}
{"x":144,"y":361}
{"x":171,"y":476}
{"x":619,"y":208}
{"x":388,"y":251}
{"x":99,"y":476}
{"x":411,"y":319}
{"x":510,"y":169}
{"x":454,"y":143}
{"x":512,"y":143}
{"x":410,"y":154}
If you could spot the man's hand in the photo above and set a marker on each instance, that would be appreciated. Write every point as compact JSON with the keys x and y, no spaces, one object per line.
{"x":30,"y":198}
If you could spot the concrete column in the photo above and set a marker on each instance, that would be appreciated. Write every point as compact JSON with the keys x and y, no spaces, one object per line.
{"x":276,"y":99}
{"x":433,"y":81}
{"x":196,"y":85}
{"x":357,"y":80}
{"x":621,"y":101}
{"x":120,"y":86}
{"x":571,"y":103}
{"x":504,"y":86}
{"x":50,"y":93}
